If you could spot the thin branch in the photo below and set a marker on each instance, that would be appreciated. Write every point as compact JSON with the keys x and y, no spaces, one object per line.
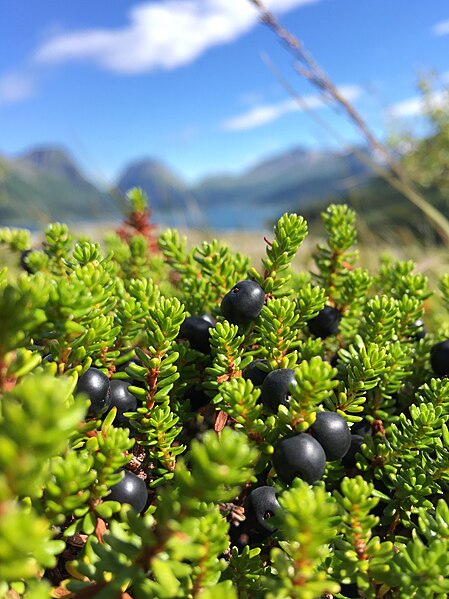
{"x":308,"y":68}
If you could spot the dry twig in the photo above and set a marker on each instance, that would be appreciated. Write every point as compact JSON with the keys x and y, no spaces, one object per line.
{"x":395,"y":175}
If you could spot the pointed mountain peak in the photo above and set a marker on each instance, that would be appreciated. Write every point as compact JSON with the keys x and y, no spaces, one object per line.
{"x":163,"y":186}
{"x":55,"y":160}
{"x":152,"y":167}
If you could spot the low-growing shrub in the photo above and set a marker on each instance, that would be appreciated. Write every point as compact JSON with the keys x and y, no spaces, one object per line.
{"x":145,"y":455}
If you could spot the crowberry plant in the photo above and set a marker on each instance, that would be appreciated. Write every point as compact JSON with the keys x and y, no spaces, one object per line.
{"x":145,"y":452}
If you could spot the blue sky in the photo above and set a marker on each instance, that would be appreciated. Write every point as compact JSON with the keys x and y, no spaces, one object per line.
{"x":187,"y":81}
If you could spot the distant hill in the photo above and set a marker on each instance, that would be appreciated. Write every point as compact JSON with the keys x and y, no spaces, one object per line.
{"x":46,"y":185}
{"x":54,"y":161}
{"x":296,"y":175}
{"x":266,"y":190}
{"x":162,"y":185}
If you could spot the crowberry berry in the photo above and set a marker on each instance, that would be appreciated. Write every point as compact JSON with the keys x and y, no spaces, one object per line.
{"x":123,"y":400}
{"x":196,"y":330}
{"x":300,"y":455}
{"x":439,"y":358}
{"x":131,"y":489}
{"x":326,"y":323}
{"x":243,"y":302}
{"x":332,"y":432}
{"x":349,"y":460}
{"x":95,"y":384}
{"x":261,"y":505}
{"x":276,"y":388}
{"x":255,"y":374}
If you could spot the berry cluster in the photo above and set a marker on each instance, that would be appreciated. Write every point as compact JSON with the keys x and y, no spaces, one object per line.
{"x":305,"y":455}
{"x":302,"y":455}
{"x":103,"y":395}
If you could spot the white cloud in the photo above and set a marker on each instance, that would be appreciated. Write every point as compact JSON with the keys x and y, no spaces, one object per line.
{"x":250,"y":98}
{"x":416,"y":106}
{"x":266,"y":113}
{"x":15,"y":87}
{"x":441,"y":28}
{"x":160,"y":35}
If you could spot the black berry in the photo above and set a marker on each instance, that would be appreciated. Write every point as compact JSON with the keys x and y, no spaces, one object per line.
{"x":131,"y":489}
{"x":439,"y":358}
{"x":122,"y":399}
{"x":24,"y":262}
{"x":349,"y":590}
{"x":334,"y":360}
{"x":95,"y":384}
{"x":348,"y":459}
{"x":300,"y":455}
{"x":326,"y":323}
{"x":420,"y":330}
{"x":124,"y":366}
{"x":255,"y":374}
{"x":276,"y":388}
{"x":332,"y":432}
{"x":243,"y":302}
{"x":196,"y":330}
{"x":261,"y":506}
{"x":209,"y":318}
{"x":362,"y":428}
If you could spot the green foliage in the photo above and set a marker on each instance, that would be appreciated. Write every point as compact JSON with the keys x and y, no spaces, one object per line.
{"x":426,"y":162}
{"x":21,"y":310}
{"x":359,"y":556}
{"x":37,"y":417}
{"x":227,"y":363}
{"x":313,"y":387}
{"x":289,"y":233}
{"x":380,"y":524}
{"x":335,"y":260}
{"x":239,"y":400}
{"x":17,"y":240}
{"x":280,"y":323}
{"x":306,"y":529}
{"x":207,"y":271}
{"x":137,"y":199}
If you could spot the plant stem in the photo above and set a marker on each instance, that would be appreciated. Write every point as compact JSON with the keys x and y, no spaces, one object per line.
{"x":394,"y":174}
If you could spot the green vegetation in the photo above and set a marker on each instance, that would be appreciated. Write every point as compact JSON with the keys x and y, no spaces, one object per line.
{"x":373,"y":524}
{"x":424,"y":159}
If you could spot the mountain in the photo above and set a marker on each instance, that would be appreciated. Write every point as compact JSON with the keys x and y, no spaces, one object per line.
{"x":288,"y":177}
{"x":164,"y":188}
{"x":289,"y":181}
{"x":54,"y":161}
{"x":46,"y":185}
{"x":266,"y":190}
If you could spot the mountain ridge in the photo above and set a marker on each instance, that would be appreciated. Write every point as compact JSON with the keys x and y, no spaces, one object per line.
{"x":277,"y":183}
{"x":46,"y":185}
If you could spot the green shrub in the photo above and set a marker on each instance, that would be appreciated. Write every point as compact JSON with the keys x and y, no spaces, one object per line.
{"x":374,"y":525}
